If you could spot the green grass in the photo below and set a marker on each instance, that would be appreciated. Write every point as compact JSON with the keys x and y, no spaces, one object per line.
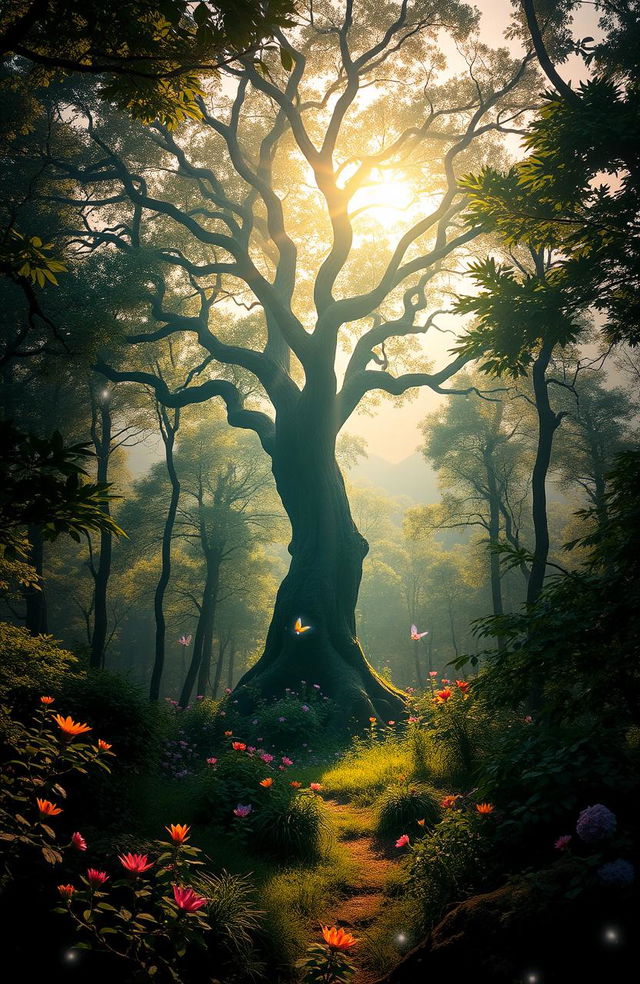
{"x":366,"y":770}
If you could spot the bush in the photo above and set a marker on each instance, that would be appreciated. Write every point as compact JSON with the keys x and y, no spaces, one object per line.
{"x":290,"y":827}
{"x":118,"y":709}
{"x":287,"y":724}
{"x":400,"y":808}
{"x":30,"y":666}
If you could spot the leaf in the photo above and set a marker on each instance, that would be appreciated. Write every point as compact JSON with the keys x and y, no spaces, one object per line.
{"x":286,"y":59}
{"x":51,"y":856}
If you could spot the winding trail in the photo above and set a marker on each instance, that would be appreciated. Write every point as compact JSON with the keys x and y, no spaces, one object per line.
{"x":363,"y":901}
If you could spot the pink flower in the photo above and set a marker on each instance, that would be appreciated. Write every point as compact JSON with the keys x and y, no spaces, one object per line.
{"x":187,"y":900}
{"x":528,"y":719}
{"x":266,"y":757}
{"x":184,"y":640}
{"x":227,"y":690}
{"x":433,"y":673}
{"x":286,"y":761}
{"x":402,"y":841}
{"x":243,"y":811}
{"x":211,"y":761}
{"x":563,"y":842}
{"x":96,"y":878}
{"x":135,"y":863}
{"x":316,"y":686}
{"x":413,"y":720}
{"x":78,"y":842}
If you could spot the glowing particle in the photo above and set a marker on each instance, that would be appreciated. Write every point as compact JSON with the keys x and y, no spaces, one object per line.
{"x":611,"y":935}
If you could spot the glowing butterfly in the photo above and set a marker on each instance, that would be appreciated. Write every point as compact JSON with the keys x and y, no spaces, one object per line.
{"x":184,"y":640}
{"x":417,"y":635}
{"x":299,"y":628}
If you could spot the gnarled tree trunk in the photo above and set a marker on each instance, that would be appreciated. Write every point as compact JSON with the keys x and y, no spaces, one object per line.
{"x":321,"y":587}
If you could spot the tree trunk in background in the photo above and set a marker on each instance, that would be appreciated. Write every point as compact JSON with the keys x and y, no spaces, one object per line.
{"x":204,"y":631}
{"x":321,"y":587}
{"x":102,"y":443}
{"x":215,"y":686}
{"x":168,"y":430}
{"x":231,"y":670}
{"x":494,"y":533}
{"x":35,"y":598}
{"x":548,"y":423}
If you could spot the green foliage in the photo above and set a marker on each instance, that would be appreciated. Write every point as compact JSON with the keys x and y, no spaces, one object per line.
{"x":41,"y":484}
{"x":28,"y":258}
{"x":149,"y":56}
{"x":31,"y":665}
{"x":451,"y":862}
{"x":37,"y":758}
{"x":120,"y":709}
{"x":400,"y":807}
{"x":290,"y":827}
{"x":233,"y":918}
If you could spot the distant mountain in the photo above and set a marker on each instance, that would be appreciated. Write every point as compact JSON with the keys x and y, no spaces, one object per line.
{"x":411,"y":477}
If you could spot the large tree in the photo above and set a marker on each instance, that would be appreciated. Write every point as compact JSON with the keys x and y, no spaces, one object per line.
{"x":269,"y":208}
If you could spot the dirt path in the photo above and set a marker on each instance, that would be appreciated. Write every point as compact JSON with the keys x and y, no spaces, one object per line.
{"x":372,"y":869}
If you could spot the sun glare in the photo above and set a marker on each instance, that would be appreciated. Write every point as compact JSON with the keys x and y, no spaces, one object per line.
{"x":385,"y":198}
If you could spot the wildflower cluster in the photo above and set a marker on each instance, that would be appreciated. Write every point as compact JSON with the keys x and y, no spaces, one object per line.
{"x":147,"y":911}
{"x":50,"y":747}
{"x":596,"y":825}
{"x":179,"y":758}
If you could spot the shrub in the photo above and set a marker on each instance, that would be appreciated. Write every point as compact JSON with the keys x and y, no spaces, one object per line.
{"x":290,"y":827}
{"x":235,"y":779}
{"x":30,"y":665}
{"x":400,"y":807}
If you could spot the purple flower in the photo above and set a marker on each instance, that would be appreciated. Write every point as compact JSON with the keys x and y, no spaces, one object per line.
{"x":563,"y":842}
{"x":304,"y":707}
{"x":243,"y":811}
{"x":617,"y":873}
{"x":595,"y":823}
{"x":282,"y":719}
{"x":316,"y":686}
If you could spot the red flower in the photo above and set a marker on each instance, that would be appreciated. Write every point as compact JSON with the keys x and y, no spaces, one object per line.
{"x":135,"y":863}
{"x":238,"y":746}
{"x":78,"y":841}
{"x":66,"y":891}
{"x":403,"y":840}
{"x":266,"y":782}
{"x":228,"y":734}
{"x":96,"y":878}
{"x":442,"y":696}
{"x":315,"y":786}
{"x":179,"y":832}
{"x":463,"y":686}
{"x":449,"y":801}
{"x":103,"y":745}
{"x":187,"y":900}
{"x":47,"y":808}
{"x":295,"y":784}
{"x":47,"y":700}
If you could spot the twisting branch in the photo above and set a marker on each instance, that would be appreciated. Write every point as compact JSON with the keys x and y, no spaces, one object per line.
{"x":237,"y":415}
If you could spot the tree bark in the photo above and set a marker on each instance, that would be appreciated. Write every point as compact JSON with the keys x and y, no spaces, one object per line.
{"x":103,"y":571}
{"x":168,"y":430}
{"x":548,"y":423}
{"x":321,"y":587}
{"x":35,"y":598}
{"x":204,"y":630}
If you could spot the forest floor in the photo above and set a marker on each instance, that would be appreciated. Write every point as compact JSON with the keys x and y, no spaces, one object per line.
{"x":373,"y":869}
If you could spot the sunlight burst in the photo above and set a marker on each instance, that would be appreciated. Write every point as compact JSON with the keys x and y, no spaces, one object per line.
{"x":385,"y":198}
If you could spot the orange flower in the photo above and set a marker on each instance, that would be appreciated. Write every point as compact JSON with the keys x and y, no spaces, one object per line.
{"x":103,"y":745}
{"x":463,"y":686}
{"x":66,"y":891}
{"x":179,"y":832}
{"x":442,"y":696}
{"x":295,"y":784}
{"x":373,"y":720}
{"x":266,"y":783}
{"x":484,"y":808}
{"x":69,"y":727}
{"x":337,"y":939}
{"x":420,"y":823}
{"x":47,"y":808}
{"x":47,"y":700}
